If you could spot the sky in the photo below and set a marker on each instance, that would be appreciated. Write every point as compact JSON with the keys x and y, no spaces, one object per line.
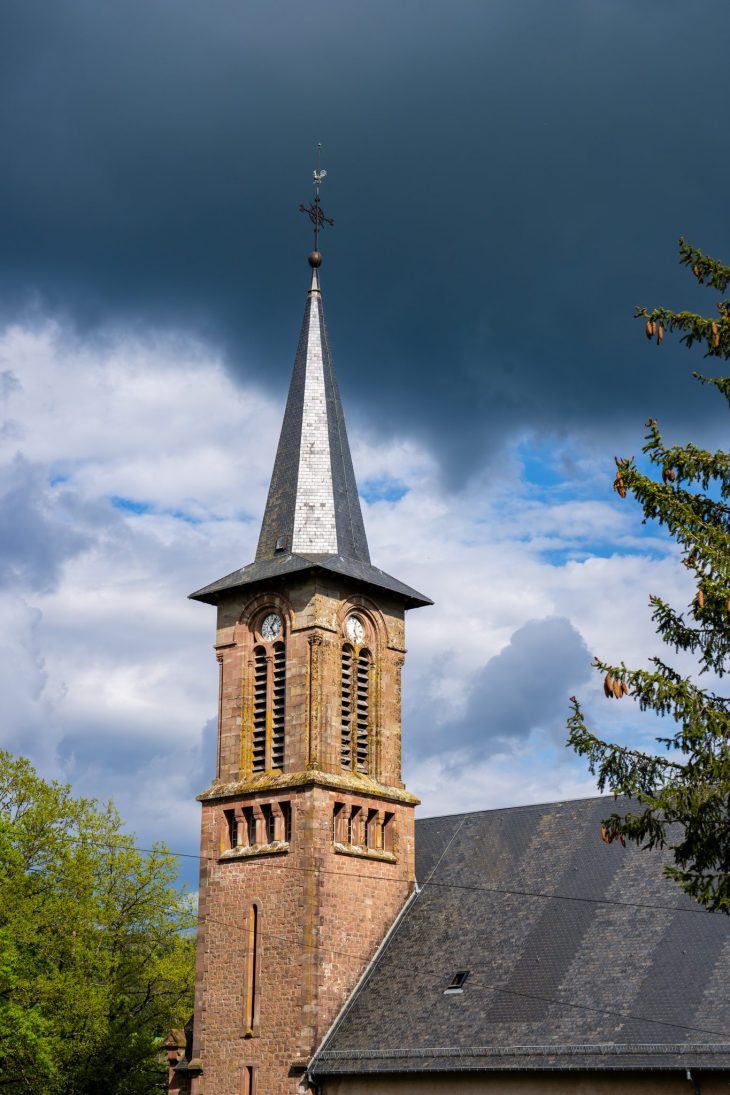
{"x":508,"y":181}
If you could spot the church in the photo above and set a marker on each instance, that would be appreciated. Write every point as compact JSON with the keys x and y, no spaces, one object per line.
{"x":345,"y":947}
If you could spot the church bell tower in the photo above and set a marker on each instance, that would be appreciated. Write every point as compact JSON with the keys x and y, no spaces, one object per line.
{"x":307,"y":838}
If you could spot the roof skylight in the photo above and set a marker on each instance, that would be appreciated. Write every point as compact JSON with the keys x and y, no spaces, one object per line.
{"x":457,"y":982}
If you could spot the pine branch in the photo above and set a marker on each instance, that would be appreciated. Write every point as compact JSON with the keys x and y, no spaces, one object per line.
{"x":625,"y":771}
{"x":722,"y":383}
{"x":714,"y":332}
{"x":686,"y":463}
{"x":696,"y":520}
{"x":710,"y":642}
{"x":704,"y":268}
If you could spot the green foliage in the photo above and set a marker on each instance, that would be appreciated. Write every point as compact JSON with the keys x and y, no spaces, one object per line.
{"x":715,"y":333}
{"x":96,"y":957}
{"x":683,"y":791}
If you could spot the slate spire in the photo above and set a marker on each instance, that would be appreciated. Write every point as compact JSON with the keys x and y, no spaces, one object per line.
{"x":313,"y":506}
{"x":313,"y":521}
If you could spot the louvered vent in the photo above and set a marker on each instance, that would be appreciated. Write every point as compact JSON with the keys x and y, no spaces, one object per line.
{"x":278,"y":707}
{"x":346,"y":739}
{"x":259,"y":710}
{"x":363,"y":687}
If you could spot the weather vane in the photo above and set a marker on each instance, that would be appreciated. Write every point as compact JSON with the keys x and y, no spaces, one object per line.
{"x":314,"y":210}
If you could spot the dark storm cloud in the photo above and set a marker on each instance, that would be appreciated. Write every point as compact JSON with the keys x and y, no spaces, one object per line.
{"x":523,"y":689}
{"x":508,"y":180}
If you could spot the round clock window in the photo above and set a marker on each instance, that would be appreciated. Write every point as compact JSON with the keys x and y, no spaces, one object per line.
{"x":271,"y":627}
{"x":355,"y":630}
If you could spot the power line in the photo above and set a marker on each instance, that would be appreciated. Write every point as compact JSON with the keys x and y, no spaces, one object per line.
{"x":567,"y":897}
{"x":493,"y":988}
{"x":437,"y":864}
{"x":612,"y":1014}
{"x":429,"y":881}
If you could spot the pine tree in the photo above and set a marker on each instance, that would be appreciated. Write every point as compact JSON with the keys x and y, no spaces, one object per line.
{"x":682,"y":792}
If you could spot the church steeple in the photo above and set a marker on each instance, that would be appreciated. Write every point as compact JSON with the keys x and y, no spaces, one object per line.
{"x":313,"y":518}
{"x":307,"y":838}
{"x":313,"y":506}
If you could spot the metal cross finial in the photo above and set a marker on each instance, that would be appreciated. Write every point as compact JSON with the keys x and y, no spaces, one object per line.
{"x":314,"y":210}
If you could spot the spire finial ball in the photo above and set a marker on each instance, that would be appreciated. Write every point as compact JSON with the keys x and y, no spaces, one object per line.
{"x":315,"y":259}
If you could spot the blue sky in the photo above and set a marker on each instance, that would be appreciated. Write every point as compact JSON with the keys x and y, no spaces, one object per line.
{"x":507,"y":182}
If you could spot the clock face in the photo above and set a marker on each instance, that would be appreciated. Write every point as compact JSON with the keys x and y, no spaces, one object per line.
{"x":355,"y":630}
{"x":271,"y":627}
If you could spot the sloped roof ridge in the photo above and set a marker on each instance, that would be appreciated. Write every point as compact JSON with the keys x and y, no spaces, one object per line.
{"x":367,"y":974}
{"x":521,"y":806}
{"x":284,"y":564}
{"x":544,"y":1048}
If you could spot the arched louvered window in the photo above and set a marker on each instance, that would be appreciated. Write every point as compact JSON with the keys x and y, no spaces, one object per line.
{"x":362,"y":727}
{"x":260,"y":697}
{"x":355,"y":710}
{"x":346,"y":707}
{"x":269,"y":706}
{"x":278,"y":706}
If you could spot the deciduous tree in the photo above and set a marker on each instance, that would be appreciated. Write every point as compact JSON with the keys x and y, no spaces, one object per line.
{"x":96,"y":959}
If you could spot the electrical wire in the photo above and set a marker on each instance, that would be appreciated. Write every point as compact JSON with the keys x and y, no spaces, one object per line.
{"x":612,"y":1014}
{"x":391,"y":967}
{"x":429,"y":881}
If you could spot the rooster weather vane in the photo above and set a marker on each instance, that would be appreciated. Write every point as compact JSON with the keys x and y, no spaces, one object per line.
{"x":314,"y":210}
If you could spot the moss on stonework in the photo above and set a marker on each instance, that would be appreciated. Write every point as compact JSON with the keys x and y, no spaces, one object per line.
{"x":349,"y":782}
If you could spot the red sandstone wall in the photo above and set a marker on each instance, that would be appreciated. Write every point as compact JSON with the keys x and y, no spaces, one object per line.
{"x":324,"y":905}
{"x":323,"y":915}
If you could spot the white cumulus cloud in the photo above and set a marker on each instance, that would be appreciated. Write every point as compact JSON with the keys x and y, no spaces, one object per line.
{"x":134,"y":470}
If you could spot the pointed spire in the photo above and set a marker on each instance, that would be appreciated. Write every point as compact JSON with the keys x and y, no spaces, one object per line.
{"x":313,"y":506}
{"x":313,"y":519}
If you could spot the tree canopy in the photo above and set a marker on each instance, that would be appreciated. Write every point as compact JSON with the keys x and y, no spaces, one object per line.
{"x":683,"y":790}
{"x":96,"y":957}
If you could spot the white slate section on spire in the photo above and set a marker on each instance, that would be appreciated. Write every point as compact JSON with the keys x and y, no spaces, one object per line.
{"x":315,"y":531}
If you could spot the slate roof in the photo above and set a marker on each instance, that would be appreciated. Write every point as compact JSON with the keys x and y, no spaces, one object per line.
{"x":313,"y":510}
{"x":268,"y":570}
{"x":580,"y":956}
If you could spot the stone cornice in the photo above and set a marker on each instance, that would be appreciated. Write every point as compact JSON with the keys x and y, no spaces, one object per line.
{"x":347,"y":782}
